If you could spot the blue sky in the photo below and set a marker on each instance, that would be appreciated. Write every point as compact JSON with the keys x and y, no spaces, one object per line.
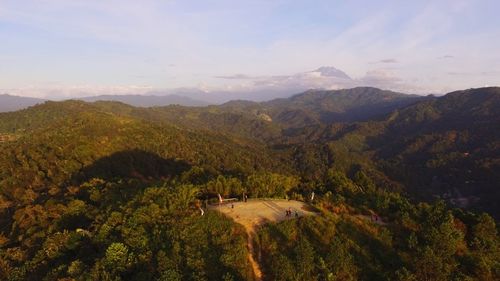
{"x":86,"y":47}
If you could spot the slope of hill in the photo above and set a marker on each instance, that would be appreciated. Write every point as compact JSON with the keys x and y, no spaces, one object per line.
{"x":448,"y":147}
{"x":73,"y":165}
{"x":347,"y":105}
{"x":316,"y":107}
{"x":212,"y":118}
{"x":13,"y":103}
{"x":70,"y":120}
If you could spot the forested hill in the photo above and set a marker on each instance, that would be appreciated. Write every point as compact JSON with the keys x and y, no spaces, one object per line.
{"x":266,"y":120}
{"x":448,"y":146}
{"x":444,"y":147}
{"x":327,"y":106}
{"x":108,"y":191}
{"x":70,"y":170}
{"x":347,"y":105}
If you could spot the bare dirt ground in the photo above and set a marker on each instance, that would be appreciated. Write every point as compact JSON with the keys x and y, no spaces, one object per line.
{"x":253,"y":213}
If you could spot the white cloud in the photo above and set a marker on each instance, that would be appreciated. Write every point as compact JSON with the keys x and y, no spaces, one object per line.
{"x":267,"y":87}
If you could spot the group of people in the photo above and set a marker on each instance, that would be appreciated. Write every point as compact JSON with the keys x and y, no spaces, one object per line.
{"x":288,"y":213}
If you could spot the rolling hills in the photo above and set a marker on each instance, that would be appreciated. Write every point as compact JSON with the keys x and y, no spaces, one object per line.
{"x":106,"y":190}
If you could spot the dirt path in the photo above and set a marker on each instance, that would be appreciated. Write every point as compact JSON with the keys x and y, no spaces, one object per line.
{"x":254,"y":213}
{"x":255,"y":265}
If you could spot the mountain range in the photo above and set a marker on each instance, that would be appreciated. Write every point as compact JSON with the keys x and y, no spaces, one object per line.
{"x":104,"y":188}
{"x":237,"y":87}
{"x":423,"y":143}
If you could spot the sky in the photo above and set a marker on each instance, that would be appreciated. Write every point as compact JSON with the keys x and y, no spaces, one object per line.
{"x":66,"y":48}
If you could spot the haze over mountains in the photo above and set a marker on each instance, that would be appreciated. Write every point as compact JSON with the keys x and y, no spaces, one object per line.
{"x":240,"y":87}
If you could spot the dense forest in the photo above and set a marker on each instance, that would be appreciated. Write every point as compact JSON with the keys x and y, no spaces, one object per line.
{"x":108,"y":191}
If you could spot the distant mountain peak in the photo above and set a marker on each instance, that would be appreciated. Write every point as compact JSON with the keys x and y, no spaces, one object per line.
{"x":330,"y":71}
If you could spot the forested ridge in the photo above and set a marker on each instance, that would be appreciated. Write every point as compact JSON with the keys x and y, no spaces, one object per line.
{"x":108,"y":191}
